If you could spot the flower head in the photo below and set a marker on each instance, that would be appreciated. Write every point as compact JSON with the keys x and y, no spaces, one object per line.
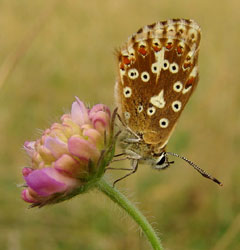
{"x":70,"y":156}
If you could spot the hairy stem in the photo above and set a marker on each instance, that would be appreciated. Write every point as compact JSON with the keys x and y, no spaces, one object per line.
{"x":132,"y":210}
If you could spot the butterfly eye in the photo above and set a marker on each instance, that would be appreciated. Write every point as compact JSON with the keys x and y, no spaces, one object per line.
{"x":161,"y":160}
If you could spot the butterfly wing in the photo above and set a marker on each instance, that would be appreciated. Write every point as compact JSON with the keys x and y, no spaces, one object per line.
{"x":158,"y":72}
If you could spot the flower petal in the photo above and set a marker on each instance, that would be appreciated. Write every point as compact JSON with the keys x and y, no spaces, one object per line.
{"x":101,"y":121}
{"x":99,"y":107}
{"x":69,"y":165}
{"x":83,"y":149}
{"x":26,"y":196}
{"x":79,"y":113}
{"x":29,"y":147}
{"x":48,"y":181}
{"x":56,"y":146}
{"x":26,"y":171}
{"x":94,"y":136}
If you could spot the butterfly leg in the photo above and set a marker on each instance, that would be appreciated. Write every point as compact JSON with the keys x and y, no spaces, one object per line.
{"x":119,"y":155}
{"x":126,"y":157}
{"x":134,"y":169}
{"x":127,"y":128}
{"x":129,"y":154}
{"x":110,"y":168}
{"x":132,"y":140}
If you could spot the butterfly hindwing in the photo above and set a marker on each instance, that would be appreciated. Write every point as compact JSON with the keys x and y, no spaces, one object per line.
{"x":157,"y":74}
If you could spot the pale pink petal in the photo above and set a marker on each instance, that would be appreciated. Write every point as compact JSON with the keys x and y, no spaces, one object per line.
{"x":65,"y":117}
{"x":83,"y":149}
{"x":99,"y":107}
{"x":67,"y":164}
{"x":56,"y":146}
{"x":79,"y":113}
{"x":101,"y":121}
{"x":29,"y":147}
{"x":93,"y":135}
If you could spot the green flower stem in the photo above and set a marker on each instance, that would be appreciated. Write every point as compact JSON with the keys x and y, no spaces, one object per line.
{"x":124,"y":203}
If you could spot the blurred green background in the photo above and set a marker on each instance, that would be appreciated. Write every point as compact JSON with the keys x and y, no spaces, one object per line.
{"x":51,"y":51}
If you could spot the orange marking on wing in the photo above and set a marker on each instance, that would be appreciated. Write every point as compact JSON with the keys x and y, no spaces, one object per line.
{"x":126,"y":60}
{"x":179,"y":50}
{"x":156,"y":48}
{"x":142,"y":50}
{"x":190,"y":81}
{"x":121,"y":66}
{"x":169,"y":46}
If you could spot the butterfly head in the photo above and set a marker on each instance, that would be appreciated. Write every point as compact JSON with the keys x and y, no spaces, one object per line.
{"x":162,"y":162}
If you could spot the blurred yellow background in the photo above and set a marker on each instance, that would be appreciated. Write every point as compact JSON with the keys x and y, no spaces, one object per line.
{"x":51,"y":51}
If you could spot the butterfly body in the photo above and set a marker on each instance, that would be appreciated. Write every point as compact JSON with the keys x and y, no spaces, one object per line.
{"x":158,"y":73}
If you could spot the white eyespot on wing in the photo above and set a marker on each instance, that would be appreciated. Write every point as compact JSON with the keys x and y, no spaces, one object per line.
{"x":127,"y":115}
{"x":151,"y":111}
{"x":163,"y":122}
{"x":185,"y":90}
{"x":145,"y":76}
{"x":165,"y":64}
{"x":127,"y":91}
{"x":155,"y":68}
{"x":140,"y":108}
{"x":176,"y":106}
{"x":177,"y":86}
{"x":173,"y":68}
{"x":133,"y":74}
{"x":158,"y":100}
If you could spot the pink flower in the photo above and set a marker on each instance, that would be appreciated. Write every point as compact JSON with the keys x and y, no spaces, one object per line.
{"x":67,"y":155}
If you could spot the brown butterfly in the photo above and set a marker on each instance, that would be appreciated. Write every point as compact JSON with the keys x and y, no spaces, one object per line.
{"x":158,"y":73}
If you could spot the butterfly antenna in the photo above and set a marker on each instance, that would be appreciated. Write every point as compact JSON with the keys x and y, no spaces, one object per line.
{"x":196,"y":167}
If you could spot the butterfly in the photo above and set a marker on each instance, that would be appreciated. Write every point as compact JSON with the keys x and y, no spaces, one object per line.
{"x":157,"y":74}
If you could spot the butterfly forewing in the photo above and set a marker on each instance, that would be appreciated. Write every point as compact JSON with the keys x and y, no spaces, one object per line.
{"x":157,"y":74}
